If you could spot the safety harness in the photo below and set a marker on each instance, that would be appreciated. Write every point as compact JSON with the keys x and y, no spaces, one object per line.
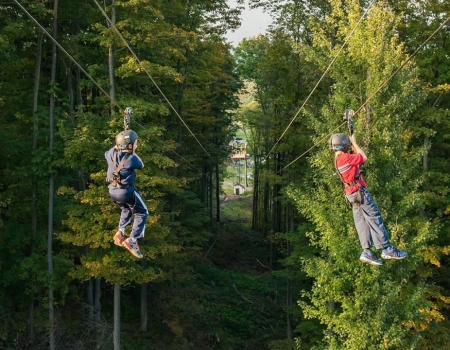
{"x":116,"y":180}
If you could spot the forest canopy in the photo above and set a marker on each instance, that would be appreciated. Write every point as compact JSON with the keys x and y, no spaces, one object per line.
{"x":274,"y":268}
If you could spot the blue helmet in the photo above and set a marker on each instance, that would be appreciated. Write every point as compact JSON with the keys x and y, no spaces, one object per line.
{"x":339,"y":142}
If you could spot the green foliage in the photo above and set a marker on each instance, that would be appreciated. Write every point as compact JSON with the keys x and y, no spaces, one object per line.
{"x":181,"y":46}
{"x":228,"y":301}
{"x":227,"y":308}
{"x":401,"y":129}
{"x":363,"y":306}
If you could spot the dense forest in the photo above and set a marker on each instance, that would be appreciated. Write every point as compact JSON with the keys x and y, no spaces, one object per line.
{"x":276,"y":268}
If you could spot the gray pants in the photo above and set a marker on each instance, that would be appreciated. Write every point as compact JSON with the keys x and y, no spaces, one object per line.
{"x":131,"y":203}
{"x":368,"y":221}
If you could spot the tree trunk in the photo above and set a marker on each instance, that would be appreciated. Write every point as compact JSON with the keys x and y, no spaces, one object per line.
{"x":80,"y":106}
{"x":112,"y":93}
{"x":275,"y":225}
{"x":89,"y":291}
{"x":368,"y":120}
{"x":426,"y":144}
{"x":76,"y":104}
{"x":289,"y":332}
{"x":70,"y":91}
{"x":37,"y":76}
{"x":210,"y":185}
{"x":51,"y":187}
{"x":116,"y":331}
{"x":112,"y":88}
{"x":289,"y":295}
{"x":144,"y":309}
{"x":255,"y":207}
{"x":265,"y":218}
{"x":203,"y":185}
{"x":217,"y":194}
{"x":97,"y":304}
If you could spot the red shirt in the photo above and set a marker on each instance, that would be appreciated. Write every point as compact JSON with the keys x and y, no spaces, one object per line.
{"x":348,"y":167}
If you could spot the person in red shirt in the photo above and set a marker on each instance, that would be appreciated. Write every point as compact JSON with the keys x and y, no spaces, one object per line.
{"x":368,"y":221}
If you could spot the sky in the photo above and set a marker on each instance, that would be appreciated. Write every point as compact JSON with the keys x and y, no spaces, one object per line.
{"x":253,"y":22}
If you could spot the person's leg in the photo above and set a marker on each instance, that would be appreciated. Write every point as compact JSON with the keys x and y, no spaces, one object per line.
{"x":130,"y":202}
{"x":377,"y":229}
{"x":363,"y":230}
{"x":361,"y":226}
{"x":140,"y":213}
{"x":120,"y":198}
{"x":125,"y":215}
{"x":374,"y":221}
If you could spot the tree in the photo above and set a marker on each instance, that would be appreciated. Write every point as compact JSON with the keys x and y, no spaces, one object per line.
{"x":51,"y":189}
{"x":364,"y":307}
{"x":80,"y":135}
{"x":34,"y":214}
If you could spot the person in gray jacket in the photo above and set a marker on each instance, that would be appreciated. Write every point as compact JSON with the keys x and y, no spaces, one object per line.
{"x":122,"y":161}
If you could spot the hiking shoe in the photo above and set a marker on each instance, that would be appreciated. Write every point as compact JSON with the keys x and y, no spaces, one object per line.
{"x":133,"y":247}
{"x":370,"y":258}
{"x":118,"y":238}
{"x":393,"y":253}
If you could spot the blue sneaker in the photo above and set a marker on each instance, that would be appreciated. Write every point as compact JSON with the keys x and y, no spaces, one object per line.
{"x":370,"y":258}
{"x":393,"y":253}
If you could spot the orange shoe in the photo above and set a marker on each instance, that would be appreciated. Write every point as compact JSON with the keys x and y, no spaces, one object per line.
{"x":119,"y":238}
{"x":133,"y":247}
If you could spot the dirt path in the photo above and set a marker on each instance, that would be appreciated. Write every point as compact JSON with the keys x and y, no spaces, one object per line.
{"x":227,"y":199}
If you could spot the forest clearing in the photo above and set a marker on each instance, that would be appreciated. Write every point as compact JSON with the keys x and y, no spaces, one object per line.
{"x":162,"y":189}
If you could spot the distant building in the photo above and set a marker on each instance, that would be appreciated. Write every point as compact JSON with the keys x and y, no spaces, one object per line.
{"x":238,"y":155}
{"x":238,"y":158}
{"x":238,"y":143}
{"x":238,"y":149}
{"x":238,"y":189}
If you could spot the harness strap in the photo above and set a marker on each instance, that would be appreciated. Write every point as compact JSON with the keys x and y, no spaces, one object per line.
{"x":352,"y":183}
{"x":116,"y":173}
{"x":122,"y":162}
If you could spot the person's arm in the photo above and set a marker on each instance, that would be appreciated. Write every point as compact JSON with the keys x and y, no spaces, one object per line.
{"x":111,"y":165}
{"x":140,"y":161}
{"x":356,"y":148}
{"x":141,"y":166}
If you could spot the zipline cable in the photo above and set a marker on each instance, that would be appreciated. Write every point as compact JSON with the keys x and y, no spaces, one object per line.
{"x":376,"y":91}
{"x":66,"y":53}
{"x":113,"y":26}
{"x":323,"y":75}
{"x":312,"y":147}
{"x":88,"y":75}
{"x":404,"y":64}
